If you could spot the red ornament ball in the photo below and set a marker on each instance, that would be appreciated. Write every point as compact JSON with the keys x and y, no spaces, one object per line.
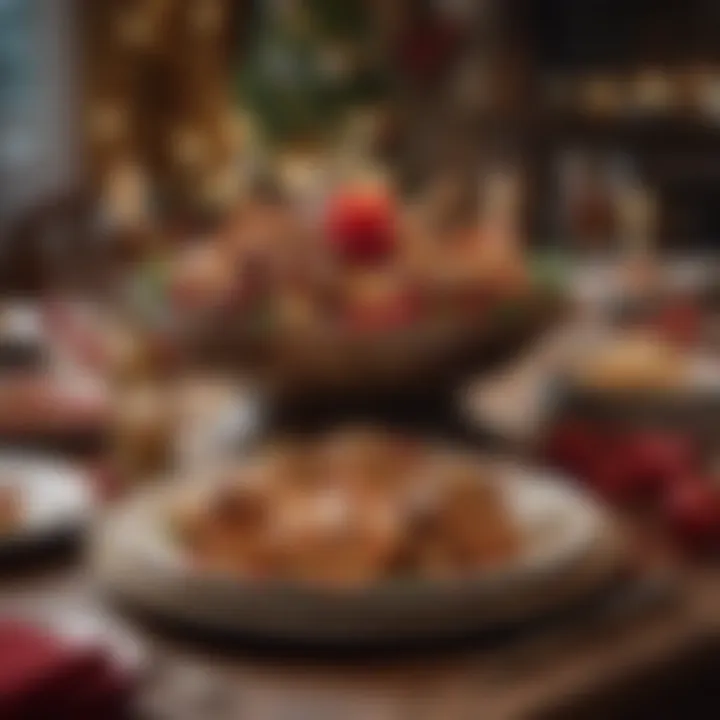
{"x":361,"y":226}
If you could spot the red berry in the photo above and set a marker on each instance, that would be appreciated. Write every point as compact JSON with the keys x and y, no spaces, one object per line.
{"x":575,"y":447}
{"x":361,"y":226}
{"x":615,"y":479}
{"x":655,"y":459}
{"x":692,"y":510}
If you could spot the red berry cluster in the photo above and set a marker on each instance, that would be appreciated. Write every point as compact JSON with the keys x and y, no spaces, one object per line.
{"x":656,"y":468}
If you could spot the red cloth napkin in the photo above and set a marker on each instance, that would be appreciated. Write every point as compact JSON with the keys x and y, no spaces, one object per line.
{"x":44,"y":677}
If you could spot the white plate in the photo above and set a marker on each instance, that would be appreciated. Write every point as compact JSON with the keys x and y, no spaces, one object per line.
{"x":136,"y":559}
{"x":23,"y":341}
{"x":21,"y":323}
{"x":56,"y":498}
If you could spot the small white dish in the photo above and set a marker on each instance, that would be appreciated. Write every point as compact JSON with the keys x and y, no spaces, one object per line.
{"x":55,"y":498}
{"x":22,"y":323}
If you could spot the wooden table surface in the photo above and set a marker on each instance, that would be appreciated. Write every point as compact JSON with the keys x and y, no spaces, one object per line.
{"x":648,"y":661}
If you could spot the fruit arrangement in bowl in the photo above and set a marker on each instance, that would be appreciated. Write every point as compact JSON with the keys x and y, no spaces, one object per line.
{"x":359,"y":290}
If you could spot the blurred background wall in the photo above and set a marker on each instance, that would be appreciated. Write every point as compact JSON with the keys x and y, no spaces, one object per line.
{"x":142,"y":104}
{"x":39,"y":97}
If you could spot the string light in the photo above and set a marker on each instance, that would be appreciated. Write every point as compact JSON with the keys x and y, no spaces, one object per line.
{"x":136,"y":30}
{"x":206,"y":16}
{"x":108,"y":121}
{"x":189,"y":148}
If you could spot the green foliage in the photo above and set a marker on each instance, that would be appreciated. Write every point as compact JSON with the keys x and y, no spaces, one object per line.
{"x":305,"y":71}
{"x":549,"y":273}
{"x":344,"y":19}
{"x":148,"y":291}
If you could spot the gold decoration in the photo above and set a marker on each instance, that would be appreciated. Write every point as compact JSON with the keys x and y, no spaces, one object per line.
{"x":189,"y":147}
{"x":222,"y":187}
{"x":137,"y":30}
{"x":601,"y":95}
{"x":108,"y":122}
{"x":206,"y":16}
{"x":654,"y":90}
